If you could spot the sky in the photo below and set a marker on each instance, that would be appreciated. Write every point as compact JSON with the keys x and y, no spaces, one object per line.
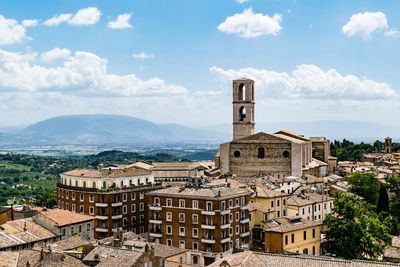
{"x":174,"y":61}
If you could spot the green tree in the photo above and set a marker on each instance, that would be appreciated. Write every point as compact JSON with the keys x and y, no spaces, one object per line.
{"x":383,"y":200}
{"x":355,"y":229}
{"x":364,"y":185}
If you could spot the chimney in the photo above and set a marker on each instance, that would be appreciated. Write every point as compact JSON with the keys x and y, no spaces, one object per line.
{"x":24,"y":226}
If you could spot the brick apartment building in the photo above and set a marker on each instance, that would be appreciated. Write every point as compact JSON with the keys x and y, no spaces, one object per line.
{"x":115,"y":195}
{"x":212,"y":220}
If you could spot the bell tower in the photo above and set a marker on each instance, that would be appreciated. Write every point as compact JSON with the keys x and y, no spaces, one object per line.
{"x":243,"y":108}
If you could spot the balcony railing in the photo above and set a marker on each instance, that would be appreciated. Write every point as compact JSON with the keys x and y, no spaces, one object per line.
{"x":245,"y":234}
{"x":155,"y":221}
{"x":225,"y":226}
{"x":156,"y":234}
{"x":102,"y":230}
{"x":116,"y":204}
{"x":208,"y":226}
{"x":246,"y":207}
{"x":101,"y":205}
{"x":225,"y":240}
{"x":225,"y":212}
{"x":155,"y":207}
{"x":115,"y":217}
{"x":208,"y":212}
{"x":102,"y":217}
{"x":208,"y":240}
{"x":244,"y":220}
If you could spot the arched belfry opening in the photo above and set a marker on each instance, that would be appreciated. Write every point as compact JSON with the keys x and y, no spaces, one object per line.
{"x":242,"y":113}
{"x":242,"y":92}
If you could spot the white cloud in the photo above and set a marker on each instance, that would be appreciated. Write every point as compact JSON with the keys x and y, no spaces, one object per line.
{"x":82,"y":73}
{"x":121,"y":22}
{"x":143,"y":55}
{"x":393,"y":33}
{"x":11,"y":32}
{"x":57,"y":19}
{"x":364,"y":24}
{"x":251,"y":25}
{"x":309,"y":81}
{"x":84,"y":17}
{"x":242,"y":1}
{"x":55,"y":53}
{"x":30,"y":22}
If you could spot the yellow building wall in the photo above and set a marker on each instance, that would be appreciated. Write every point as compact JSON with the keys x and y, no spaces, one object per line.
{"x":275,"y":242}
{"x":266,"y":203}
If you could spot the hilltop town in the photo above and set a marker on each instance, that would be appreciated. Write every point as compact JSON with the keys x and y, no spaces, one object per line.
{"x":268,"y":199}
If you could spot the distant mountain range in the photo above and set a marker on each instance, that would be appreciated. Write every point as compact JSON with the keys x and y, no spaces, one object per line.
{"x":116,"y":129}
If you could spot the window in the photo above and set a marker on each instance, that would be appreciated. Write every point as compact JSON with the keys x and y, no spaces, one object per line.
{"x":141,"y":196}
{"x":313,"y":250}
{"x":169,"y":230}
{"x":156,"y":201}
{"x":91,"y":198}
{"x":272,"y":204}
{"x":181,"y":245}
{"x":141,"y":206}
{"x":195,"y":219}
{"x":124,"y":209}
{"x":325,"y":206}
{"x":230,"y":203}
{"x":278,"y":213}
{"x":286,"y":240}
{"x":261,"y":152}
{"x":181,"y":203}
{"x":169,"y":216}
{"x":230,"y":217}
{"x":141,"y":218}
{"x":124,"y":221}
{"x":305,"y":235}
{"x":133,"y":208}
{"x":292,"y":238}
{"x":141,"y":229}
{"x":195,"y":204}
{"x":230,"y":231}
{"x":133,"y":197}
{"x":237,"y":202}
{"x":73,"y":195}
{"x":278,"y":203}
{"x":237,"y":229}
{"x":313,"y":233}
{"x":181,"y":231}
{"x":133,"y":219}
{"x":305,"y":251}
{"x":81,"y":209}
{"x":66,"y":206}
{"x":73,"y":208}
{"x":242,"y":200}
{"x":209,"y":206}
{"x":195,"y":246}
{"x":182,"y":217}
{"x":237,"y":216}
{"x":88,"y":227}
{"x":236,"y":154}
{"x":242,"y":113}
{"x":81,"y":197}
{"x":169,"y":242}
{"x":67,"y":195}
{"x":72,"y":231}
{"x":91,"y":211}
{"x":285,"y":154}
{"x":169,"y":202}
{"x":195,"y":232}
{"x":125,"y":197}
{"x":94,"y":184}
{"x":63,"y":232}
{"x":303,"y":210}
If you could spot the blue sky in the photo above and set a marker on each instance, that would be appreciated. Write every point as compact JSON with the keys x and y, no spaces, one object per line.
{"x":173,"y":61}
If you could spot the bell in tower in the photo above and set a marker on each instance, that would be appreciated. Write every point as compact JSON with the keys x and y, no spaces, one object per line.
{"x":243,"y":108}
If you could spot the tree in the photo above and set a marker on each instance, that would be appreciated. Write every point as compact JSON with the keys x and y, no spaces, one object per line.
{"x":355,"y":230}
{"x":383,"y":200}
{"x":365,"y":186}
{"x":393,"y":184}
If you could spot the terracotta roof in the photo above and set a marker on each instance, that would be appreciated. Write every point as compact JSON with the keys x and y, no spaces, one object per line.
{"x":111,"y":256}
{"x":250,"y":258}
{"x":51,"y":259}
{"x":275,"y":226}
{"x":22,"y":231}
{"x":165,"y":251}
{"x":307,"y":199}
{"x":70,"y":243}
{"x":206,"y":192}
{"x":108,"y":172}
{"x":294,"y":135}
{"x":8,"y":258}
{"x":64,"y":217}
{"x":261,"y":136}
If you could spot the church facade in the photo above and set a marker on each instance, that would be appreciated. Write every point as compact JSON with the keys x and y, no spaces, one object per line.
{"x":252,"y":154}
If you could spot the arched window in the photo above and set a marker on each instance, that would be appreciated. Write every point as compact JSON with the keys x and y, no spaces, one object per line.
{"x":84,"y":183}
{"x":122,"y":184}
{"x":130,"y":182}
{"x":261,"y":152}
{"x":104,"y":184}
{"x":195,"y":260}
{"x":242,"y":113}
{"x":242,"y":92}
{"x":94,"y":184}
{"x":76,"y":183}
{"x":70,"y":182}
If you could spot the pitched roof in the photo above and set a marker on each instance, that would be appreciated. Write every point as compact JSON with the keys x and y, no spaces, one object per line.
{"x":275,"y":226}
{"x":64,"y":217}
{"x":70,"y":243}
{"x":164,"y":251}
{"x":261,"y":136}
{"x":250,"y":258}
{"x":206,"y":192}
{"x":292,"y":134}
{"x":51,"y":259}
{"x":108,"y":172}
{"x":8,"y":258}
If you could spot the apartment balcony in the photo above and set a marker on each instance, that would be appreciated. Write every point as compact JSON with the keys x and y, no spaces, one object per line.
{"x":115,"y":217}
{"x":101,"y":205}
{"x":209,"y":254}
{"x":155,"y":221}
{"x":116,"y":204}
{"x":245,"y":246}
{"x":246,"y":207}
{"x":155,"y":234}
{"x":208,"y":226}
{"x":225,"y":226}
{"x":225,"y":212}
{"x":208,"y":240}
{"x":245,"y":220}
{"x":155,"y":207}
{"x":225,"y":240}
{"x":102,"y":230}
{"x":208,"y":212}
{"x":245,"y":234}
{"x":102,"y":217}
